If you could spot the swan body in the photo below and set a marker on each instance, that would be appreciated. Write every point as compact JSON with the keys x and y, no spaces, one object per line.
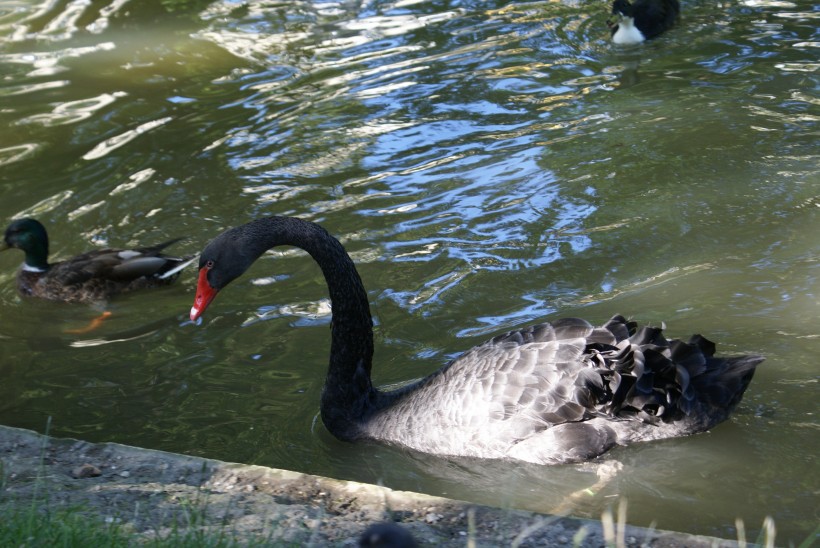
{"x":90,"y":277}
{"x":549,"y":393}
{"x":642,"y":20}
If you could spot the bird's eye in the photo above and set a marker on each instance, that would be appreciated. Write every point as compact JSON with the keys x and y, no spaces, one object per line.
{"x":209,"y":265}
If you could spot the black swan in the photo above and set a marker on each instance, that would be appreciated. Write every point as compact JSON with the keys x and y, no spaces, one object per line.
{"x":90,"y":277}
{"x":549,"y":393}
{"x":642,"y":20}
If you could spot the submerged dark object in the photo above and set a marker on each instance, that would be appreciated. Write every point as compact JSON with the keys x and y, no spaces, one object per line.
{"x":386,"y":535}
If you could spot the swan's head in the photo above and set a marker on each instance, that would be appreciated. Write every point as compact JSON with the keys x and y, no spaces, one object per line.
{"x":223,"y":260}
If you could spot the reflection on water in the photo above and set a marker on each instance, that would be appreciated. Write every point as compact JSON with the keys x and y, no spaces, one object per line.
{"x":487,"y":164}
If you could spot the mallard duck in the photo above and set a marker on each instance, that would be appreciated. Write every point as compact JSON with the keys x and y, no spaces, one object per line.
{"x":549,"y":393}
{"x":91,"y":277}
{"x":642,"y":20}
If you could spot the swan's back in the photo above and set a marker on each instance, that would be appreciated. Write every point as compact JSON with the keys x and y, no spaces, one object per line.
{"x":563,"y":392}
{"x":655,"y":16}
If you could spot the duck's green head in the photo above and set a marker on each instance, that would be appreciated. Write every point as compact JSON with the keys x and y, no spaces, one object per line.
{"x":30,"y":236}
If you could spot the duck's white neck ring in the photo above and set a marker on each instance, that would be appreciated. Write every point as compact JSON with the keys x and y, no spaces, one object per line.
{"x":29,"y":268}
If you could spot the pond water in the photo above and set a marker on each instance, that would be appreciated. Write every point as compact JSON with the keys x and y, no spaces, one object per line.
{"x":487,"y":165}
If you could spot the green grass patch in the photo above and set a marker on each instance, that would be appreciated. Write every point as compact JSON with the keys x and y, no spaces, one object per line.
{"x":63,"y":527}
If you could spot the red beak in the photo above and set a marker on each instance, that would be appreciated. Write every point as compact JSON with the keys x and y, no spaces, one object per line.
{"x":204,"y":294}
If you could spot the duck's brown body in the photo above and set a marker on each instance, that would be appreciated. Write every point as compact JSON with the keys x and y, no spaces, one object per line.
{"x":90,"y":277}
{"x":99,"y":275}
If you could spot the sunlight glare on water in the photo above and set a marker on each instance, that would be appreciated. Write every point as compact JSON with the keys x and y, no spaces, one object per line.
{"x":487,"y":164}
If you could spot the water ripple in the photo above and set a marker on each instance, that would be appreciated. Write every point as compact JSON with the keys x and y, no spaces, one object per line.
{"x":47,"y":63}
{"x":17,"y":153}
{"x":71,"y":112}
{"x":113,"y":143}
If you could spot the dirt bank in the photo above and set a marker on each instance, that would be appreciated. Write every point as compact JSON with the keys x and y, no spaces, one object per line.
{"x":150,"y":492}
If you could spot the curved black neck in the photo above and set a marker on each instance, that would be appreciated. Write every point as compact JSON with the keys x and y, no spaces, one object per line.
{"x":348,"y":392}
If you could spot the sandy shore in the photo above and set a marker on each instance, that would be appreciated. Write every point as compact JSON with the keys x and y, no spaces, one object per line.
{"x":150,"y":492}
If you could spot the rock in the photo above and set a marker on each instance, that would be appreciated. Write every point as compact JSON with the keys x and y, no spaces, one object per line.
{"x":432,"y":517}
{"x":280,"y":510}
{"x":85,"y":471}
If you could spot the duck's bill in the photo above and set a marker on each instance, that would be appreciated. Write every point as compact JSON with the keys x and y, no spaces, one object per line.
{"x":204,"y":295}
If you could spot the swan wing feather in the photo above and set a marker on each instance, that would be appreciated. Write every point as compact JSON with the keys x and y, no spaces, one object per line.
{"x":517,"y":394}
